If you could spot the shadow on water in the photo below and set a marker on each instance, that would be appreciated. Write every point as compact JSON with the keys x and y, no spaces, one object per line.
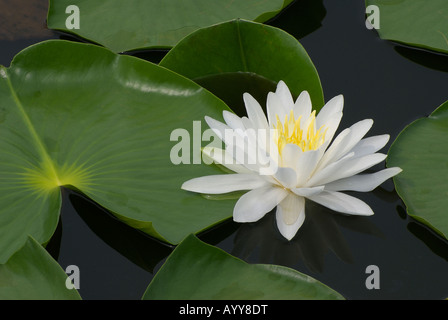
{"x":301,"y":18}
{"x":137,"y":247}
{"x":434,"y":242}
{"x":154,"y":56}
{"x":428,"y":59}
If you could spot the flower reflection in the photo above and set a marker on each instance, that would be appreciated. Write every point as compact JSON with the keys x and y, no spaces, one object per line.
{"x":320,"y":234}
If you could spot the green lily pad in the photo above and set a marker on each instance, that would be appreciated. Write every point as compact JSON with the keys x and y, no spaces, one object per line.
{"x":421,"y":150}
{"x":196,"y":270}
{"x":418,"y":23}
{"x":79,"y":116}
{"x":136,"y":24}
{"x":248,"y":49}
{"x":32,"y":274}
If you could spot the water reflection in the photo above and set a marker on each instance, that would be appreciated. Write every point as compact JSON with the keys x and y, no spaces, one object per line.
{"x":142,"y":250}
{"x":301,"y":18}
{"x":434,"y":242}
{"x":428,"y":59}
{"x":320,"y":234}
{"x":386,"y":192}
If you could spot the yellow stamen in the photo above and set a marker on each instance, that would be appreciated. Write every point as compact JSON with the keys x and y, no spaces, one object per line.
{"x":290,"y":131}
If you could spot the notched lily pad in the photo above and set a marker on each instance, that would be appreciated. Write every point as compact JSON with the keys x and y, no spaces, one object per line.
{"x":79,"y":116}
{"x":245,"y":56}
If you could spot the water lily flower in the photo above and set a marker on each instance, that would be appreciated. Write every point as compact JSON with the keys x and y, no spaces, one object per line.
{"x":309,"y":163}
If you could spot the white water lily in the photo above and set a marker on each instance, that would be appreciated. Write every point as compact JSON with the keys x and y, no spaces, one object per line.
{"x":306,"y":164}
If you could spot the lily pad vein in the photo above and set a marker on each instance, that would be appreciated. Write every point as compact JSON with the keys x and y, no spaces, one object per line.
{"x":40,"y":147}
{"x":243,"y":56}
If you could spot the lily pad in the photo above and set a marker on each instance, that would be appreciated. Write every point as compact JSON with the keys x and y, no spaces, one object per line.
{"x":198,"y":271}
{"x":418,"y":23}
{"x":82,"y":117}
{"x":136,"y":24}
{"x":421,"y":150}
{"x":248,"y":49}
{"x":32,"y":274}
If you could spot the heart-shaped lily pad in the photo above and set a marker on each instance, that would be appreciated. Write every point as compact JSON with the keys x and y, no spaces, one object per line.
{"x":79,"y":116}
{"x":236,"y":49}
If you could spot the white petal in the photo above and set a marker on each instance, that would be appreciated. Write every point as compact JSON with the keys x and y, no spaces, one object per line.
{"x":285,"y":96}
{"x":247,"y":123}
{"x":271,"y":166}
{"x":254,"y":204}
{"x":332,"y":107}
{"x":221,"y":157}
{"x":224,"y":183}
{"x":241,"y":152}
{"x":308,"y":192}
{"x":303,"y":106}
{"x":306,"y":165}
{"x":257,"y":139}
{"x":325,"y":160}
{"x":370,"y":145}
{"x":233,"y":121}
{"x":290,"y":215}
{"x":275,"y":108}
{"x":286,"y":177}
{"x":357,"y":132}
{"x":236,"y":141}
{"x":345,"y":167}
{"x":255,"y":112}
{"x":331,"y":126}
{"x":290,"y":155}
{"x":217,"y":126}
{"x":363,"y":182}
{"x":255,"y":143}
{"x":323,"y":173}
{"x":341,"y":202}
{"x":345,"y":141}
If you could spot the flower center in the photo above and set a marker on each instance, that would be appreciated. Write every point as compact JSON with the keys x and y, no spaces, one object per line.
{"x":291,"y":131}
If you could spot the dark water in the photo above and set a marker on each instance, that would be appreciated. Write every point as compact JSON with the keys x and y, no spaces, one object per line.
{"x":391,"y":84}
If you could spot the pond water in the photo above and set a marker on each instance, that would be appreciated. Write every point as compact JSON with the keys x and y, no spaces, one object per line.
{"x":389,"y":83}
